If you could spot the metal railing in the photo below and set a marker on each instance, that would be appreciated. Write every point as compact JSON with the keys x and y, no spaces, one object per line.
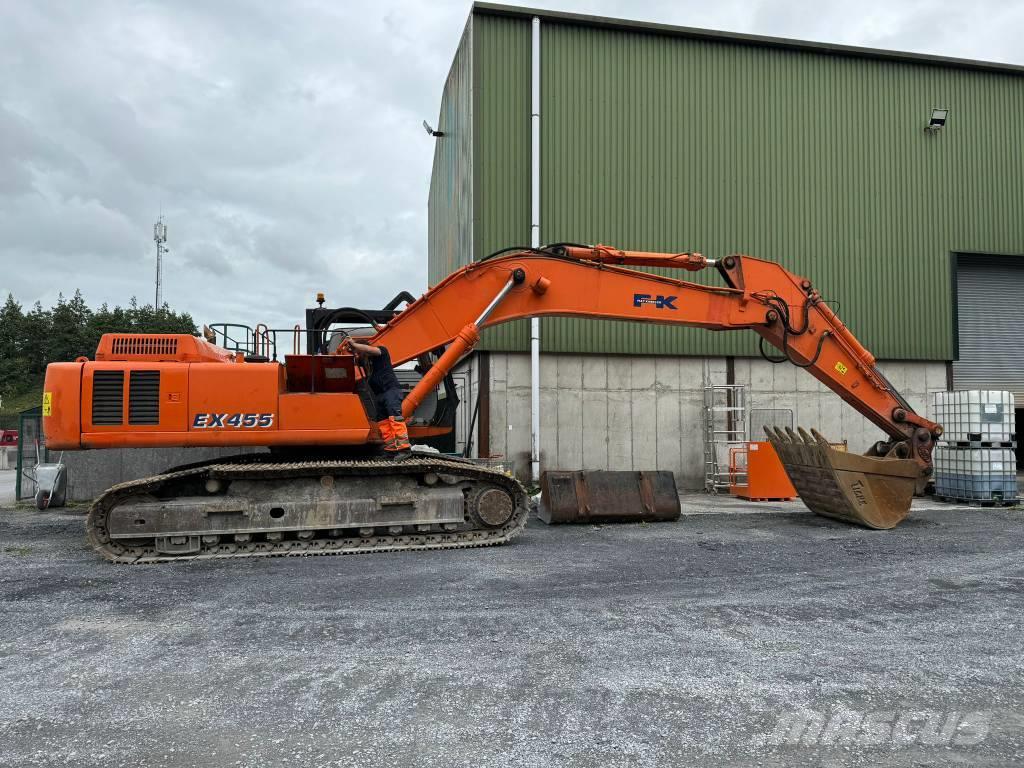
{"x":260,"y":341}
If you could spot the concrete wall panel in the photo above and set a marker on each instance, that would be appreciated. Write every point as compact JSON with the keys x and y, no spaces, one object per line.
{"x":595,"y":372}
{"x":645,"y":412}
{"x":668,"y":445}
{"x":620,"y":429}
{"x":595,"y":429}
{"x":644,"y":426}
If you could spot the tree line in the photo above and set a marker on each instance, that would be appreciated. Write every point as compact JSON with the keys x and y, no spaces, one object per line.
{"x":69,"y":329}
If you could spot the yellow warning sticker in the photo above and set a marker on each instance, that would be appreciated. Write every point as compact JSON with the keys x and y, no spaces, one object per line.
{"x":842,"y":369}
{"x":47,"y":403}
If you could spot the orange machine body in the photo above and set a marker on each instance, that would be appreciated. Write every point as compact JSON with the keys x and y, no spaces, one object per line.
{"x":766,"y":477}
{"x":178,"y":390}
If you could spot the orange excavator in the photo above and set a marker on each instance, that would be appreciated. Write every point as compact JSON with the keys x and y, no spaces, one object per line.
{"x":323,"y":487}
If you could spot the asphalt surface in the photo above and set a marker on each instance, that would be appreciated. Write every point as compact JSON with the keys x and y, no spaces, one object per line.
{"x":707,"y":642}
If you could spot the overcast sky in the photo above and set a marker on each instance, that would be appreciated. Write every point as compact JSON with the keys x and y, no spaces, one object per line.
{"x":283,"y":141}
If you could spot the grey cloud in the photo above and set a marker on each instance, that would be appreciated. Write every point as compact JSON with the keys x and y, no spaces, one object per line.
{"x":283,"y":141}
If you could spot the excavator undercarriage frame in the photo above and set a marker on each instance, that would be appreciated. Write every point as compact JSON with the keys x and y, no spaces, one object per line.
{"x":256,"y":506}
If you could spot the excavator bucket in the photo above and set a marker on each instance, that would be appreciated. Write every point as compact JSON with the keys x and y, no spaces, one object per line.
{"x":866,"y":490}
{"x":605,"y":497}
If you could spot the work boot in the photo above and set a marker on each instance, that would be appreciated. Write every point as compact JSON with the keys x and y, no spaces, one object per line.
{"x":387,"y":433}
{"x":400,"y":435}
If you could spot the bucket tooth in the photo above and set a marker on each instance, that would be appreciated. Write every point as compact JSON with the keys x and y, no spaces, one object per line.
{"x":865,"y":490}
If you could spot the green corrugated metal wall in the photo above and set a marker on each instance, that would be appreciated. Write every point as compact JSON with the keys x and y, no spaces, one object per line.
{"x":450,"y":205}
{"x":652,"y":141}
{"x":501,"y":150}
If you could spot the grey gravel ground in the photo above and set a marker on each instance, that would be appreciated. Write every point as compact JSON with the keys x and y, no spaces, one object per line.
{"x":710,"y":641}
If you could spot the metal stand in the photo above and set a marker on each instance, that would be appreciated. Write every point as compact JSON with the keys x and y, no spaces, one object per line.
{"x":725,"y":427}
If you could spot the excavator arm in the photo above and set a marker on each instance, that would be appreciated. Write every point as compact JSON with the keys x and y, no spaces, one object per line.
{"x":784,"y":309}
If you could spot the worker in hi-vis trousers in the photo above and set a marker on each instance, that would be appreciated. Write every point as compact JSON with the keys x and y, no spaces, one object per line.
{"x":387,"y":394}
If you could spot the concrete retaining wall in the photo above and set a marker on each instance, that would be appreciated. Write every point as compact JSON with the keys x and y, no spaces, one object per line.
{"x":813,"y":404}
{"x":636,"y":412}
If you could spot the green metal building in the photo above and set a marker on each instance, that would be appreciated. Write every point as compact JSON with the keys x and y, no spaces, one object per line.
{"x":654,"y":137}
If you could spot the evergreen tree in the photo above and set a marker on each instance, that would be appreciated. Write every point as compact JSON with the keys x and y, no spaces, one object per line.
{"x":70,"y":329}
{"x":13,"y":366}
{"x":34,"y":347}
{"x":68,"y":336}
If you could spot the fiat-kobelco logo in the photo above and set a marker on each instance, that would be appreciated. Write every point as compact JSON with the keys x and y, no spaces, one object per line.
{"x":233,"y":421}
{"x":659,"y":302}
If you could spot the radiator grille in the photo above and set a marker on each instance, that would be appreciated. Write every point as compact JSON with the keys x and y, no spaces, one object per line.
{"x":144,"y":345}
{"x":144,"y":398}
{"x":108,"y":398}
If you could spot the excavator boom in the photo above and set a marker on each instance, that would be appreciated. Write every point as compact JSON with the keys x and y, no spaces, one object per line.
{"x":784,"y":309}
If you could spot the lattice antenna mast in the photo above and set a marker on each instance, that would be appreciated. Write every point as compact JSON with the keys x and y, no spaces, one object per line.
{"x":159,"y":237}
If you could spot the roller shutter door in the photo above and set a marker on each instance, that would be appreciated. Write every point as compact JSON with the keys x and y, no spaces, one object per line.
{"x":990,"y":319}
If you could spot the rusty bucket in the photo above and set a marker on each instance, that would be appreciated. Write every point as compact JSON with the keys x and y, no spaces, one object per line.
{"x":605,"y":496}
{"x":866,"y":490}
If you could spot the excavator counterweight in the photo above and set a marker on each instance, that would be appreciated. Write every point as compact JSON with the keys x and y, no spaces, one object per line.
{"x":323,"y":488}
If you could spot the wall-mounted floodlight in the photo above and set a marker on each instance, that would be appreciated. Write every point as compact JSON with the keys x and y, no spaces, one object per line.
{"x":938,"y":119}
{"x":427,"y":127}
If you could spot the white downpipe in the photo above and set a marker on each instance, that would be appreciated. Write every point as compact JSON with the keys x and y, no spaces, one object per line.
{"x":535,"y":243}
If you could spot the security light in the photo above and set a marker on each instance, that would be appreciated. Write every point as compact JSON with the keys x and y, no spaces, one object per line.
{"x":938,"y":120}
{"x":430,"y":130}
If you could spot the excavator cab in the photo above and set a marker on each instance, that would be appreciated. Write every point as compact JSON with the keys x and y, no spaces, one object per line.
{"x":432,"y":423}
{"x":312,"y":366}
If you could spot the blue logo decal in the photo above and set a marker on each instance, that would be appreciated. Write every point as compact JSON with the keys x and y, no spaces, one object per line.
{"x":660,"y":302}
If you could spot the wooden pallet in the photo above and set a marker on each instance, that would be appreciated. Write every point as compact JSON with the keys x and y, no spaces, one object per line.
{"x":978,"y":443}
{"x":978,"y":502}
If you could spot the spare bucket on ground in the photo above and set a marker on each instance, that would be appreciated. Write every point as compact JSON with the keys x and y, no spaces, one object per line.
{"x":604,"y":497}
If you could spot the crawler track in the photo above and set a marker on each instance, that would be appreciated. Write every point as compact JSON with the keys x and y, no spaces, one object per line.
{"x":347,"y":539}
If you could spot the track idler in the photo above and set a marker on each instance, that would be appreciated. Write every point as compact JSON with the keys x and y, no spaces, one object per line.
{"x":865,"y":490}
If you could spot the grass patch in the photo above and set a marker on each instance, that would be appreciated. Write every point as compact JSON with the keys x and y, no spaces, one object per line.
{"x":14,"y":404}
{"x":18,"y":551}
